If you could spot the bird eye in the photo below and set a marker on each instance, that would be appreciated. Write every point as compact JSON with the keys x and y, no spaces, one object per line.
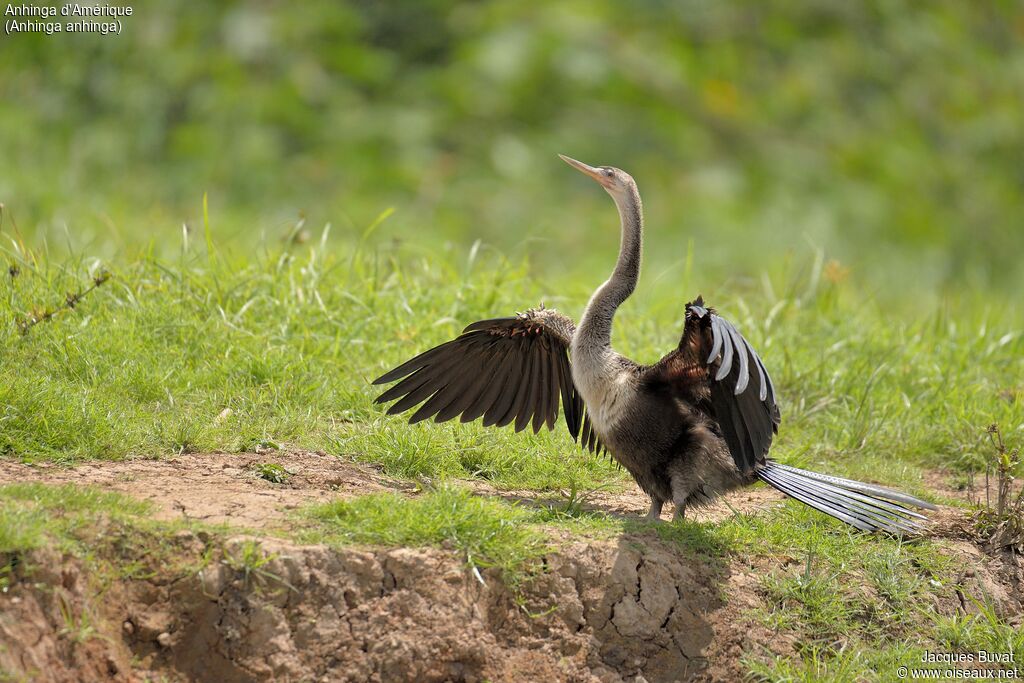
{"x":608,"y":173}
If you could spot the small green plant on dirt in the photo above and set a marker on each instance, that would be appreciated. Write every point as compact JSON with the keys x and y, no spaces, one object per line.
{"x":813,"y":598}
{"x":9,"y":677}
{"x":6,"y":571}
{"x":78,"y":628}
{"x":272,"y":472}
{"x":249,"y":558}
{"x":573,"y":502}
{"x":1001,"y":521}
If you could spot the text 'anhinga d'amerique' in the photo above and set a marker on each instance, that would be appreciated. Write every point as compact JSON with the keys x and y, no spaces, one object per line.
{"x":690,"y":427}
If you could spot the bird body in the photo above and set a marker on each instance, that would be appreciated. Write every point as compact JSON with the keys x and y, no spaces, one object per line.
{"x":688,"y":428}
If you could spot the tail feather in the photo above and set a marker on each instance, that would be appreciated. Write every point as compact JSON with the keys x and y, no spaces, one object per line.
{"x":829,"y":509}
{"x":832,"y":485}
{"x":861,"y":487}
{"x":837,"y":505}
{"x":864,"y":506}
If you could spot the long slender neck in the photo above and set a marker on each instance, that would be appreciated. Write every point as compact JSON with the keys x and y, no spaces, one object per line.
{"x":595,"y":330}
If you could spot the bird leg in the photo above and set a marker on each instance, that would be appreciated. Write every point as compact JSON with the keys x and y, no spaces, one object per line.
{"x":680,"y":512}
{"x":655,"y":513}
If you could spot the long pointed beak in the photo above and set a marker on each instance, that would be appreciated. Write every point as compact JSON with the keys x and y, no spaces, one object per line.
{"x":583,"y":168}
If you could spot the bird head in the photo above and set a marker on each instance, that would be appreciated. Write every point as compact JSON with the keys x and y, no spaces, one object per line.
{"x":615,"y":181}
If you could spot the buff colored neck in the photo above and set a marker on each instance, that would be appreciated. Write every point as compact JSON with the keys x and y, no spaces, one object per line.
{"x":595,"y":330}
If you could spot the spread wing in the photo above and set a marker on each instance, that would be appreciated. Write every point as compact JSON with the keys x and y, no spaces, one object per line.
{"x":504,"y":370}
{"x":717,"y":370}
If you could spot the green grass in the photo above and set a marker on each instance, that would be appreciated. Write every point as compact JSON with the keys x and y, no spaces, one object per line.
{"x":229,"y":352}
{"x":981,"y":631}
{"x":34,"y":515}
{"x":112,"y":535}
{"x":823,"y":664}
{"x":886,"y":133}
{"x":860,"y":605}
{"x":487,"y":533}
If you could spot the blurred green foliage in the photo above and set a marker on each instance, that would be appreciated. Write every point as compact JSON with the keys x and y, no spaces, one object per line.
{"x":889,"y":133}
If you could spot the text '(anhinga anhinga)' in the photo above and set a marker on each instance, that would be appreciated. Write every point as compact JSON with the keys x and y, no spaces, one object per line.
{"x":695,"y":424}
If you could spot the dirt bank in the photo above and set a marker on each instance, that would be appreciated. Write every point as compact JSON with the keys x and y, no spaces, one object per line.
{"x":605,"y":612}
{"x":250,"y":607}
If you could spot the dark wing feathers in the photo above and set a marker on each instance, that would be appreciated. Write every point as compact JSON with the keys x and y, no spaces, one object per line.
{"x":414,"y":364}
{"x":742,"y":394}
{"x":455,"y":382}
{"x":585,"y":437}
{"x":541,"y":390}
{"x":593,"y":444}
{"x":494,"y":384}
{"x":465,"y":388}
{"x":422,"y":385}
{"x":522,"y":408}
{"x":506,"y":370}
{"x":507,"y":394}
{"x":570,"y":399}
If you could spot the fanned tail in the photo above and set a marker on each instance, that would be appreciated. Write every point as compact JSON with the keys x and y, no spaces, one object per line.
{"x":865,"y":506}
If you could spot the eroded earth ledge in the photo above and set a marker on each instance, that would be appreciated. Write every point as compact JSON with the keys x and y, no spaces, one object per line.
{"x":193,"y":605}
{"x":604,"y":612}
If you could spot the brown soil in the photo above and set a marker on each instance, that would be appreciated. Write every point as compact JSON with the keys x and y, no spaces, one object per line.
{"x":603,"y":612}
{"x":224,"y":488}
{"x":632,"y":609}
{"x":217,"y":487}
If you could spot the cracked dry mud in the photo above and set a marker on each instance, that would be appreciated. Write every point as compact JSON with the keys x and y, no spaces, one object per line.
{"x":600,"y":611}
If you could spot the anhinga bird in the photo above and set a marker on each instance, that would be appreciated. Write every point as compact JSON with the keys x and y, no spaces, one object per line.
{"x":695,"y":424}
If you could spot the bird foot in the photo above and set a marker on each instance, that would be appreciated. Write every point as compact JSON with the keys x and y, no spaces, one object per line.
{"x":654,"y":515}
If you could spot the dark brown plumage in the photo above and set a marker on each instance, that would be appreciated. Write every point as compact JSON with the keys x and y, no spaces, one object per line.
{"x":505,"y":370}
